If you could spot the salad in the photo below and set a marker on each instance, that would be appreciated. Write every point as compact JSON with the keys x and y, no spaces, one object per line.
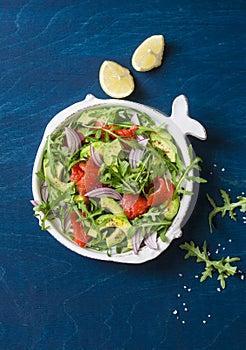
{"x":113,"y":180}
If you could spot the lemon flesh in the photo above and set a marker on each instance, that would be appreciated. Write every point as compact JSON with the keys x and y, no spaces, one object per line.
{"x":148,"y":54}
{"x":115,"y":80}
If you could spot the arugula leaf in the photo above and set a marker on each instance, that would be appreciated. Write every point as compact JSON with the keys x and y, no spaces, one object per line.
{"x":227,"y":207}
{"x":40,"y":175}
{"x":48,"y":210}
{"x":194,"y":164}
{"x":123,"y":178}
{"x":152,"y":220}
{"x":44,"y":209}
{"x":222,"y":266}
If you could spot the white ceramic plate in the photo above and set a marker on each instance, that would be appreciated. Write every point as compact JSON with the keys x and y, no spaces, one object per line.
{"x":179,"y":125}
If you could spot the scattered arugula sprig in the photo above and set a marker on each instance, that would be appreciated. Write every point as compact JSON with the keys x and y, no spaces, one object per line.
{"x":227,"y":207}
{"x":222,"y":266}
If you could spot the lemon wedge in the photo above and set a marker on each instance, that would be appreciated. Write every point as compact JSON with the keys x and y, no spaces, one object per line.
{"x":115,"y":80}
{"x":149,"y":53}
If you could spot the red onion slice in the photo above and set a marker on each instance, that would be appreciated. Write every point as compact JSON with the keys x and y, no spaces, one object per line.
{"x":137,"y":239}
{"x":151,"y":240}
{"x":103,"y":192}
{"x":44,"y":191}
{"x":34,"y":202}
{"x":132,"y":160}
{"x":73,"y":139}
{"x":97,"y":159}
{"x":134,"y":119}
{"x":142,"y":141}
{"x":136,"y":154}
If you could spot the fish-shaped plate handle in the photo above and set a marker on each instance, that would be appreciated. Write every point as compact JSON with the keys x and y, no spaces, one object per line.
{"x":180,"y":116}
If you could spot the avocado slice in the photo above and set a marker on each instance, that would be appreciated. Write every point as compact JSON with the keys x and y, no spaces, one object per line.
{"x":92,"y":232}
{"x":165,"y":144}
{"x":110,"y":220}
{"x":54,"y":180}
{"x":112,"y":206}
{"x":78,"y":198}
{"x":98,"y":145}
{"x":115,"y":238}
{"x":164,"y":134}
{"x":172,"y":209}
{"x":111,"y":152}
{"x":87,"y":118}
{"x":122,"y":226}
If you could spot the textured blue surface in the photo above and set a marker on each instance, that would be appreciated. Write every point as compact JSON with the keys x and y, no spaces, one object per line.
{"x":50,"y":55}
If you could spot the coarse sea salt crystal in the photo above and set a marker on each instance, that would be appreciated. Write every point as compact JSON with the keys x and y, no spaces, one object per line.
{"x":223,"y":169}
{"x":189,"y":289}
{"x":218,"y":290}
{"x":175,"y":312}
{"x":242,"y":277}
{"x":204,"y":321}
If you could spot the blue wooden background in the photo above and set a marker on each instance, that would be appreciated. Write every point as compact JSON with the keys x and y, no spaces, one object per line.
{"x":50,"y":55}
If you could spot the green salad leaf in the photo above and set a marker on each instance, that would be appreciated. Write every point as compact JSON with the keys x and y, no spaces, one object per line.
{"x":228,"y":207}
{"x":223,"y":266}
{"x":152,"y":220}
{"x":194,"y":165}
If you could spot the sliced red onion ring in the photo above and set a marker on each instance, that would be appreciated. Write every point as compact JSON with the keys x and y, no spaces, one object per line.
{"x":34,"y":202}
{"x":104,"y":192}
{"x":73,"y":139}
{"x":140,"y":137}
{"x":97,"y":159}
{"x":150,"y":240}
{"x":44,"y":191}
{"x":132,"y":158}
{"x":136,"y":154}
{"x":137,"y":239}
{"x":142,"y":141}
{"x":134,"y":119}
